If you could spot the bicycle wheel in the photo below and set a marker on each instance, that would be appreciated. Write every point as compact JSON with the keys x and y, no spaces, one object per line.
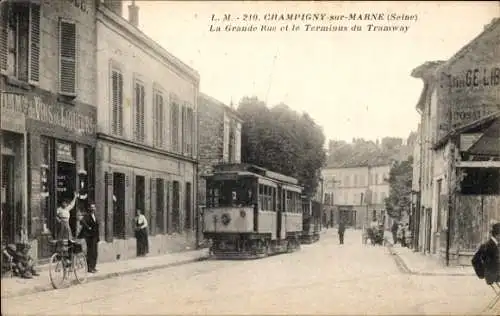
{"x":80,"y":267}
{"x":57,"y":271}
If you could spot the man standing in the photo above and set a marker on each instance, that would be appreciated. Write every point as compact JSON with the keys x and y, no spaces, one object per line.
{"x":341,"y":232}
{"x":90,"y":231}
{"x":394,"y":231}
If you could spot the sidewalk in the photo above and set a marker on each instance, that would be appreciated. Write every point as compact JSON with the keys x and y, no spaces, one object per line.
{"x":418,"y":263}
{"x":17,"y":287}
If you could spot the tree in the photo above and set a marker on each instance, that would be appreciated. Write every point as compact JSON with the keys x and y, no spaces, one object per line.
{"x":400,"y":180}
{"x":282,"y":140}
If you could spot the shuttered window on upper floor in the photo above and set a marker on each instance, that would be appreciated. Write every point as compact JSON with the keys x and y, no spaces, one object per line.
{"x":67,"y":57}
{"x":159,"y":118}
{"x":139,"y":108}
{"x":116,"y":102}
{"x":187,"y":129}
{"x":174,"y":125}
{"x":20,"y":41}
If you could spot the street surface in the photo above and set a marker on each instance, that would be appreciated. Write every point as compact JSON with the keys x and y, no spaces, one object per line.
{"x":322,"y":278}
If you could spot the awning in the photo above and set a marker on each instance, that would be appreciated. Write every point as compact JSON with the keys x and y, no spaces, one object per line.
{"x":489,"y":143}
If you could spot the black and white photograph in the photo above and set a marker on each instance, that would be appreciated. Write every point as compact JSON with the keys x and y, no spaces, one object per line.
{"x":249,"y":157}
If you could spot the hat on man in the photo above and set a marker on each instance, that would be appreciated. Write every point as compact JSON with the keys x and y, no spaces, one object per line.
{"x":495,"y":229}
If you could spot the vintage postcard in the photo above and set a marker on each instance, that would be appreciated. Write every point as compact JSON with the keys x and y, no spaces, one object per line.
{"x":249,"y":157}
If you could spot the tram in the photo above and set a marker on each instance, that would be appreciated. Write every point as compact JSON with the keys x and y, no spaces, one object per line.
{"x":251,"y":212}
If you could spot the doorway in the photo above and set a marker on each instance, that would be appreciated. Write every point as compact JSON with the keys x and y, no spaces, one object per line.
{"x":7,"y":198}
{"x":428,"y":233}
{"x":140,"y":184}
{"x":65,"y":189}
{"x":118,"y":205}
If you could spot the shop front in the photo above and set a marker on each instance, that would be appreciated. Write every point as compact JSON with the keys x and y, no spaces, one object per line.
{"x":47,"y":156}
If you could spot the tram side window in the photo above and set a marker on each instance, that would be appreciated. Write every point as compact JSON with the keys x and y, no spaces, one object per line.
{"x":289,"y":205}
{"x":266,"y":198}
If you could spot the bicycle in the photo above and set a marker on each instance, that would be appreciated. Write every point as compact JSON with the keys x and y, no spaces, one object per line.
{"x":68,"y":257}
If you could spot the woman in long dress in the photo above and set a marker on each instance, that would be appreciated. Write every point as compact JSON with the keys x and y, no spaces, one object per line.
{"x":141,"y":234}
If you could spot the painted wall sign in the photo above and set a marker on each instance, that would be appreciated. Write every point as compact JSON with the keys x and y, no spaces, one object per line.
{"x":486,"y":77}
{"x":469,"y":91}
{"x":35,"y":108}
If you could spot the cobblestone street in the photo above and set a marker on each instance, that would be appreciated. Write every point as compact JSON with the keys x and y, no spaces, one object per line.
{"x":323,"y":278}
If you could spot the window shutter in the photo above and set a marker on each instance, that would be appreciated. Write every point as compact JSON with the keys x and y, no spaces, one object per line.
{"x":67,"y":57}
{"x":143,"y":98}
{"x":114,"y":101}
{"x":34,"y":53}
{"x":119,"y":114}
{"x":4,"y":17}
{"x":137,"y":110}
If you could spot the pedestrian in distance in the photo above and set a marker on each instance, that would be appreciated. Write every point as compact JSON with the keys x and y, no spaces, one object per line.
{"x":394,"y":231}
{"x":341,"y":232}
{"x":141,"y":234}
{"x":90,"y":232}
{"x":63,"y":215}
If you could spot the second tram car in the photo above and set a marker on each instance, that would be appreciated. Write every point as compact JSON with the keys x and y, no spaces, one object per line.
{"x":311,"y":227}
{"x":251,"y":212}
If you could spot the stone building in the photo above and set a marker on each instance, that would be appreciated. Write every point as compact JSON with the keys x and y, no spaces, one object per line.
{"x":460,"y":194}
{"x":146,"y":155}
{"x":48,"y":114}
{"x":219,"y":138}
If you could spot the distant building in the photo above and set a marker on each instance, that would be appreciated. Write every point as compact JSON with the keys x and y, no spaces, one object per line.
{"x":357,"y":193}
{"x":147,"y":138}
{"x":459,"y":163}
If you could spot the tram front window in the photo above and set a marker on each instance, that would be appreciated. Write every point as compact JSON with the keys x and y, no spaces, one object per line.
{"x":228,"y":193}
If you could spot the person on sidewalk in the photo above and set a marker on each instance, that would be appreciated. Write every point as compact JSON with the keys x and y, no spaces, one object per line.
{"x":63,"y":215}
{"x":90,"y":232}
{"x":394,"y":231}
{"x":341,"y":232}
{"x":486,"y":261}
{"x":141,"y":234}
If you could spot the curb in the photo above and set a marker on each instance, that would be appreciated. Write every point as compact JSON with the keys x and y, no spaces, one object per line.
{"x":48,"y":287}
{"x":405,"y":269}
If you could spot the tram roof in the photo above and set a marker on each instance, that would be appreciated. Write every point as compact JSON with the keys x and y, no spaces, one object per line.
{"x":248,"y":168}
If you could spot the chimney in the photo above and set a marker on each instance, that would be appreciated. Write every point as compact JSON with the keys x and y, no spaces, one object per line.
{"x":133,"y":14}
{"x":115,"y":6}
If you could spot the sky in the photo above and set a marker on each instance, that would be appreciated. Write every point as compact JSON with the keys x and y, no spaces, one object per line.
{"x":353,"y":84}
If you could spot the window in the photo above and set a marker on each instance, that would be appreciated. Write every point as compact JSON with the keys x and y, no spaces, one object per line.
{"x":159,"y":119}
{"x":191,"y":130}
{"x":376,"y":179}
{"x":375,"y":198}
{"x":382,"y":197}
{"x":266,"y":197}
{"x":362,"y":199}
{"x":346,"y":181}
{"x":187,"y":129}
{"x":67,"y":58}
{"x":139,"y":110}
{"x":117,"y":102}
{"x":20,"y":40}
{"x":174,"y":126}
{"x":355,"y":180}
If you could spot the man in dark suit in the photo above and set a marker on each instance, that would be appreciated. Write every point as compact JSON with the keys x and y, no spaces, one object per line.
{"x":341,"y":231}
{"x":486,"y":260}
{"x":90,"y":231}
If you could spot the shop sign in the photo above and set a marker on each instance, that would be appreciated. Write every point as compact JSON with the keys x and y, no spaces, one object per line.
{"x":33,"y":107}
{"x":470,"y":93}
{"x":12,"y":121}
{"x":65,"y":151}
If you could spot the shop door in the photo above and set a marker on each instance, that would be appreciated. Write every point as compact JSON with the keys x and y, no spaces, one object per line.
{"x":65,"y":188}
{"x":7,"y":198}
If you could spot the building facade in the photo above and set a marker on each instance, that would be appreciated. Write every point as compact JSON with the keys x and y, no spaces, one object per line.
{"x":146,"y":154}
{"x":357,"y":193}
{"x":48,"y":115}
{"x":219,"y":138}
{"x":459,"y":176}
